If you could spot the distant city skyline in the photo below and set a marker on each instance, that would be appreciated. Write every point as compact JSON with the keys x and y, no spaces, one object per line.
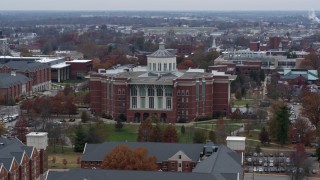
{"x":182,"y":5}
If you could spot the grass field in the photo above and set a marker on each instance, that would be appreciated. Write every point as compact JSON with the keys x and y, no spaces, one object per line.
{"x":128,"y":133}
{"x":68,"y":154}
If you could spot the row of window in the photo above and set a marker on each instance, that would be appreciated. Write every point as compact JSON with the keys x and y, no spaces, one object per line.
{"x":151,"y":104}
{"x":183,"y":111}
{"x":183,"y":99}
{"x":159,"y":67}
{"x":183,"y":105}
{"x":151,"y":91}
{"x":183,"y":92}
{"x":121,"y":91}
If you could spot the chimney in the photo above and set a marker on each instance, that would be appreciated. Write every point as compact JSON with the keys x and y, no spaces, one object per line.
{"x":13,"y":73}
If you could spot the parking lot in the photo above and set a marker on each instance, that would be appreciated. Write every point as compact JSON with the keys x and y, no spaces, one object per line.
{"x":265,"y":163}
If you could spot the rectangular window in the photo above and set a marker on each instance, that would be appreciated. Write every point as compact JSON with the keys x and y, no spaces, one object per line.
{"x":149,"y":66}
{"x":159,"y":92}
{"x":179,"y":156}
{"x":123,"y":91}
{"x":182,"y":93}
{"x":160,"y":103}
{"x":134,"y":102}
{"x":182,"y":100}
{"x":133,"y":91}
{"x":119,"y":91}
{"x":169,"y":103}
{"x":187,"y":113}
{"x":151,"y":103}
{"x":179,"y":164}
{"x":169,"y":66}
{"x":178,"y":92}
{"x":173,"y":164}
{"x":187,"y":99}
{"x":150,"y":91}
{"x":168,"y":92}
{"x":143,"y":102}
{"x":203,"y":89}
{"x":197,"y":90}
{"x":187,"y":92}
{"x":174,"y":66}
{"x":154,"y":66}
{"x":142,"y":91}
{"x":165,"y":66}
{"x":159,"y":66}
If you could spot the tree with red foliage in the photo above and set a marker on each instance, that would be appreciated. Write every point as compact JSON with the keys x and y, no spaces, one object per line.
{"x":21,"y":129}
{"x":186,"y":64}
{"x":69,"y":106}
{"x":124,"y":158}
{"x":311,"y":107}
{"x":170,"y":134}
{"x":300,"y":163}
{"x":302,"y":132}
{"x":145,"y":131}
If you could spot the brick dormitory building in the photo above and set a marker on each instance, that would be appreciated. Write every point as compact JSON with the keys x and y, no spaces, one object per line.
{"x":161,"y":90}
{"x":23,"y":162}
{"x":175,"y":161}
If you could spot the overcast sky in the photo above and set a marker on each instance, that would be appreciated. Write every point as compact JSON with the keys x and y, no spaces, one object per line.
{"x":159,"y":4}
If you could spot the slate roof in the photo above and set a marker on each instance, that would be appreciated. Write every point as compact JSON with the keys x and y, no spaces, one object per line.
{"x":24,"y":65}
{"x":7,"y":80}
{"x":12,"y":148}
{"x":98,"y":174}
{"x":162,"y":151}
{"x":224,"y":164}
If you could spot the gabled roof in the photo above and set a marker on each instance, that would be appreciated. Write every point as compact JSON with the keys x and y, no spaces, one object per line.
{"x":98,"y":174}
{"x":96,"y":152}
{"x":11,"y":149}
{"x":25,"y":65}
{"x":7,"y":80}
{"x":223,"y":164}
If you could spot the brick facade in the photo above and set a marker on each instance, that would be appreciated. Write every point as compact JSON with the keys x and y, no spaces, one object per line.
{"x":110,"y":95}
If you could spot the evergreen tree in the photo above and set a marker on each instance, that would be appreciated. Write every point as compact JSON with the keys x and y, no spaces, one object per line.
{"x":183,"y":129}
{"x":199,"y":136}
{"x":80,"y":139}
{"x":264,"y":136}
{"x":282,"y":117}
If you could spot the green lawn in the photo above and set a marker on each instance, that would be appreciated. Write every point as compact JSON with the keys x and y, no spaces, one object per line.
{"x":127,"y":133}
{"x":67,"y":153}
{"x":242,"y":103}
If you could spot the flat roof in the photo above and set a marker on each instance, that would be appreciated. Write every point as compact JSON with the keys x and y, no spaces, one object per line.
{"x":236,"y":138}
{"x":60,"y":65}
{"x":37,"y":134}
{"x":79,"y":61}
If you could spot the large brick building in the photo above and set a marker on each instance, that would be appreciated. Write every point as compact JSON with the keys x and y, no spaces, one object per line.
{"x":18,"y":161}
{"x":160,"y":90}
{"x":39,"y":73}
{"x":14,"y":85}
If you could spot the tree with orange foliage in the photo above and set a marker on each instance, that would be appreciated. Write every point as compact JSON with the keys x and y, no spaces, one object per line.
{"x":170,"y":134}
{"x":311,"y":107}
{"x":311,"y":61}
{"x":124,"y":158}
{"x":145,"y":131}
{"x":221,"y":132}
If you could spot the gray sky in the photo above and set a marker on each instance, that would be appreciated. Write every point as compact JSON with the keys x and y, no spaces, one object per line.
{"x":159,"y":4}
